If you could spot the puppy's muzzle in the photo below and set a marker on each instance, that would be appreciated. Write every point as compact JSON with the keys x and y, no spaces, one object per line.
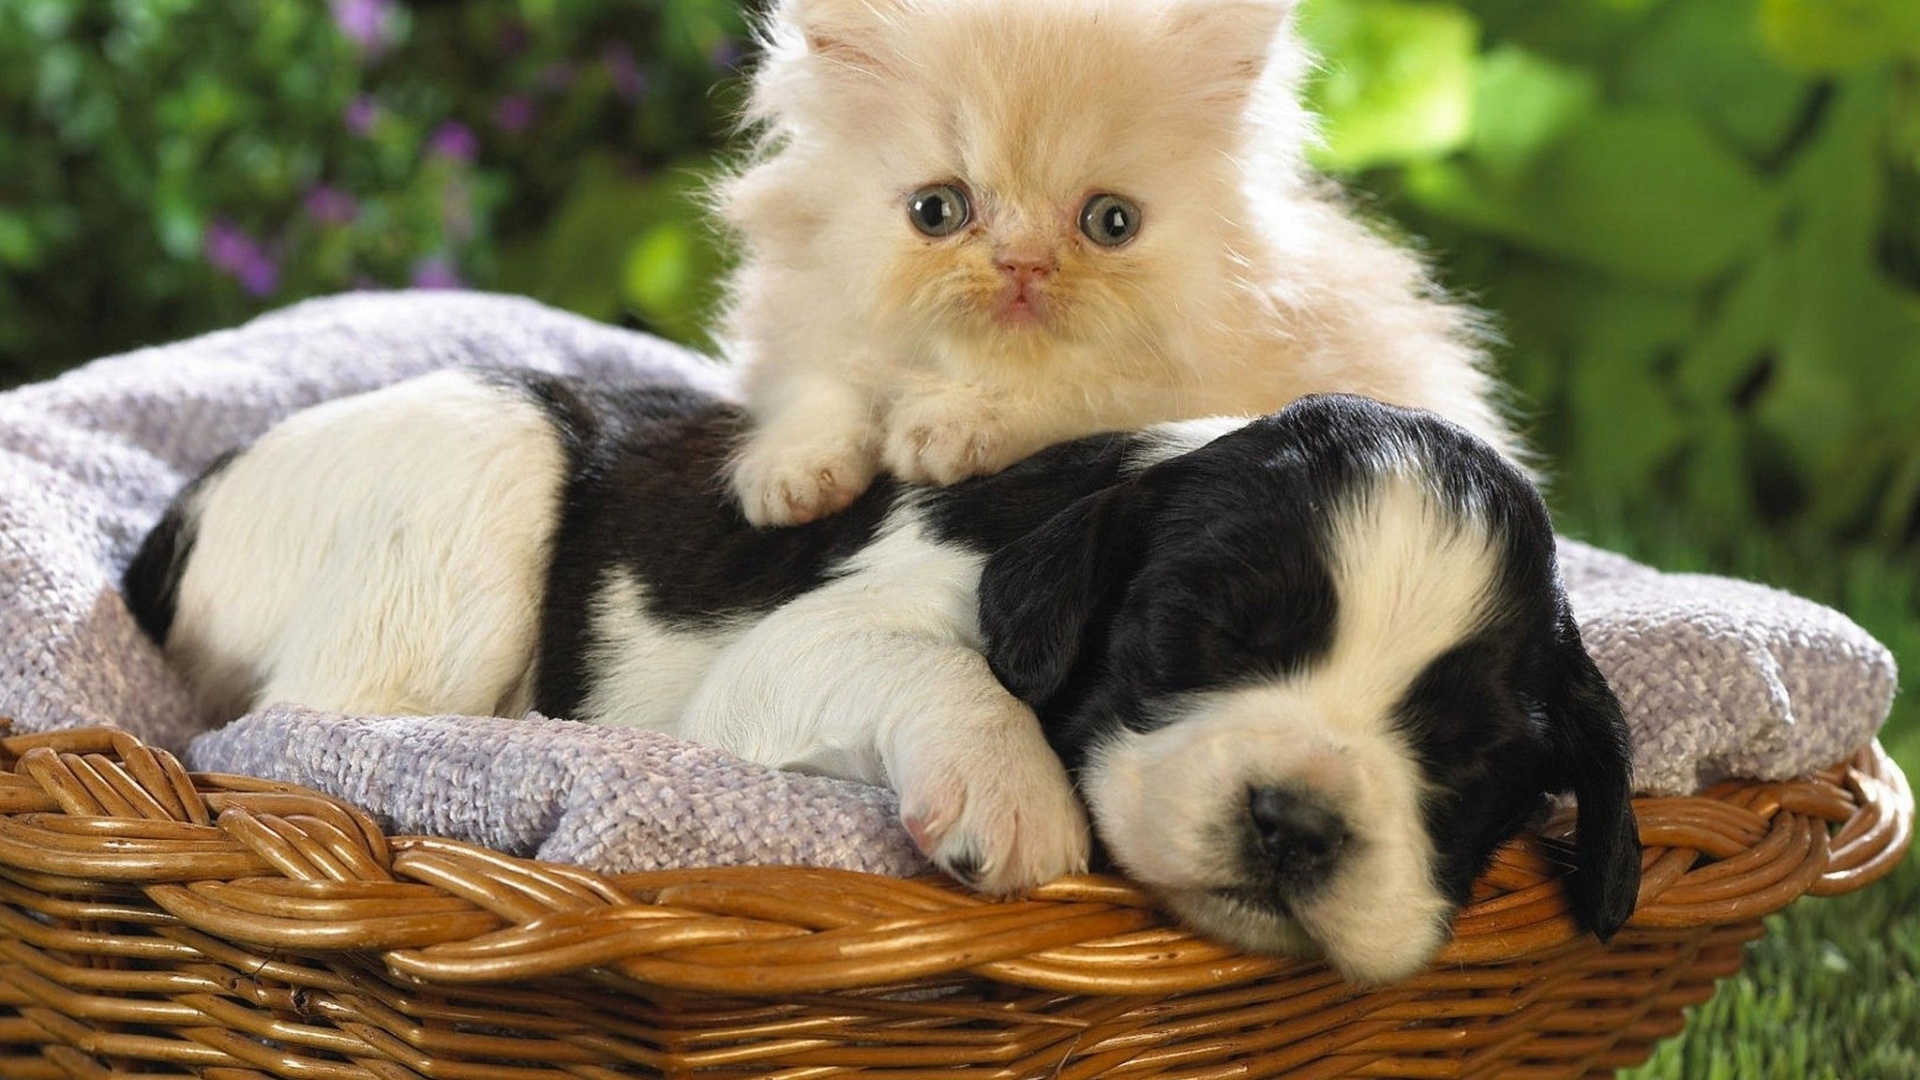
{"x":1298,"y":838}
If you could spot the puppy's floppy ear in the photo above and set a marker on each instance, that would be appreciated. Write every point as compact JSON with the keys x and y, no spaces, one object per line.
{"x":1038,"y":594}
{"x":1589,"y":738}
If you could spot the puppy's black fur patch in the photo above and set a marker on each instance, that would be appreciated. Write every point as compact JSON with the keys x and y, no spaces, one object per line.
{"x":1212,"y":570}
{"x":151,"y":583}
{"x":648,"y":495}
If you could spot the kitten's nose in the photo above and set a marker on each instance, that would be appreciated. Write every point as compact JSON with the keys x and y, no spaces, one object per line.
{"x":1025,"y":267}
{"x":1299,"y":836}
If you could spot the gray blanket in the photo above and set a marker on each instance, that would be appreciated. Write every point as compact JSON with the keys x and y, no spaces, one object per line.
{"x":1718,"y":677}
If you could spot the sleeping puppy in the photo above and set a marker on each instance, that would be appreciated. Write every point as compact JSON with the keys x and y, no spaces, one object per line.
{"x":1308,"y":671}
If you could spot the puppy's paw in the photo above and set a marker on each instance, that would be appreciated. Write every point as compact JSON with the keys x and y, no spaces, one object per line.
{"x":991,"y":804}
{"x":946,"y":437}
{"x":780,"y":482}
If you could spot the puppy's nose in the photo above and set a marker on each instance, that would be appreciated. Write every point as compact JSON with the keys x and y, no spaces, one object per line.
{"x":1299,"y":835}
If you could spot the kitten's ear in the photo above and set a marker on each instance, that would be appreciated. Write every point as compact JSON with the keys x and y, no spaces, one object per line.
{"x":1235,"y":38}
{"x":851,"y":33}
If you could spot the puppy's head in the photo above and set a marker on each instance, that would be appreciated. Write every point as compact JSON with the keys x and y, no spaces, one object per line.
{"x":1312,"y":674}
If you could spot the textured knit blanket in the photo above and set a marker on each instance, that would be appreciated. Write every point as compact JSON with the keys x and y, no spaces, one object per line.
{"x":1718,"y":677}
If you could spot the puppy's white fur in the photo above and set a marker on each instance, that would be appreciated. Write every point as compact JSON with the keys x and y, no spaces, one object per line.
{"x":878,"y":676}
{"x":648,"y":670}
{"x":1411,"y":583}
{"x":415,"y":590}
{"x":1249,"y":283}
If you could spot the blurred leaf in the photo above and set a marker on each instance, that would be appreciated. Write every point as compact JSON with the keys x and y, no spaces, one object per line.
{"x":1521,"y":104}
{"x":1624,"y":427}
{"x":1901,"y":502}
{"x":1837,"y":35}
{"x":18,"y":248}
{"x":1707,"y":56}
{"x":670,"y":277}
{"x":202,"y":108}
{"x":659,"y":270}
{"x":700,"y":31}
{"x":1577,"y":32}
{"x":1627,"y":424}
{"x":622,"y":240}
{"x":178,"y":224}
{"x":1740,"y":334}
{"x":1715,"y":469}
{"x":1398,"y":82}
{"x":1809,"y":411}
{"x":1870,"y":326}
{"x":1533,"y":300}
{"x":1644,"y":194}
{"x":1849,"y":372}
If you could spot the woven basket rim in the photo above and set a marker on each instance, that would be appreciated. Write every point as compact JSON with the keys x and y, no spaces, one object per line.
{"x":277,"y":866}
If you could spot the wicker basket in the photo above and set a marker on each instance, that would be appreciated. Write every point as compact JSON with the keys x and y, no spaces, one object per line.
{"x":158,"y":923}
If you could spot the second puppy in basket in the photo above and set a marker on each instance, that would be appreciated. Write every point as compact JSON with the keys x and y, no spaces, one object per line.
{"x":1308,"y":671}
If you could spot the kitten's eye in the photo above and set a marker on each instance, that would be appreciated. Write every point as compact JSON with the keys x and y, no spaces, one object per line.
{"x":939,"y":210}
{"x":1109,"y":220}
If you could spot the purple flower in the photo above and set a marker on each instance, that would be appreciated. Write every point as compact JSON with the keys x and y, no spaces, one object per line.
{"x":628,"y":80}
{"x":725,"y":55}
{"x":436,"y":272}
{"x":226,"y":246}
{"x":362,"y":113}
{"x":371,"y":24}
{"x":557,"y":76}
{"x":453,"y":140}
{"x":514,"y":114}
{"x":260,"y":277}
{"x":230,"y":250}
{"x":328,"y":205}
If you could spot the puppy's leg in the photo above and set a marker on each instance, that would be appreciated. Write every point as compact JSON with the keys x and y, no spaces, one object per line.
{"x":811,"y":451}
{"x":980,"y":790}
{"x":910,"y":706}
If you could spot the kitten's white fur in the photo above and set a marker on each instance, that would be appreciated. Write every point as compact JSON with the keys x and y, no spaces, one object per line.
{"x":864,"y":343}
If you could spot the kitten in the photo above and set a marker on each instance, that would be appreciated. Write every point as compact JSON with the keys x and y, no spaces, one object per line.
{"x":973,"y":228}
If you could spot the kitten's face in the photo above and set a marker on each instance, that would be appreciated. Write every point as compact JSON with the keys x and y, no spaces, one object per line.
{"x":1016,"y":175}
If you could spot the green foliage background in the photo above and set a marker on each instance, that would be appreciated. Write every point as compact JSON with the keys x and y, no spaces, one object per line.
{"x":1696,"y":223}
{"x":1697,"y":220}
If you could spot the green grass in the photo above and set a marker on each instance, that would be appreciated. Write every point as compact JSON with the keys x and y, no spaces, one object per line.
{"x":1833,"y":990}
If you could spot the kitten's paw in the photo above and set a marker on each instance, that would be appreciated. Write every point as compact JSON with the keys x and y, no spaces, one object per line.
{"x":946,"y":438}
{"x":791,"y":484}
{"x":991,"y":804}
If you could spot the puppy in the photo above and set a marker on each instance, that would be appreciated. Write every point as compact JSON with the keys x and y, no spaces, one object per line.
{"x":1309,"y":671}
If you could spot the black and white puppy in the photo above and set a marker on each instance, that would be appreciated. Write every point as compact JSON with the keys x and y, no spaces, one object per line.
{"x":1308,"y":671}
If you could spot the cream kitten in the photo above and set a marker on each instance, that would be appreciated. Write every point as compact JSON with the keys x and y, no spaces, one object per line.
{"x":973,"y":228}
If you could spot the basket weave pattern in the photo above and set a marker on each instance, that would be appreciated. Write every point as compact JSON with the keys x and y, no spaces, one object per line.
{"x":157,"y":923}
